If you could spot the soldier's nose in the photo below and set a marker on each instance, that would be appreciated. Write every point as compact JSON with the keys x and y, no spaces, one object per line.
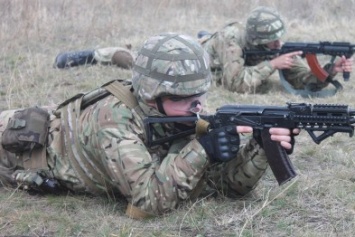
{"x":196,"y":107}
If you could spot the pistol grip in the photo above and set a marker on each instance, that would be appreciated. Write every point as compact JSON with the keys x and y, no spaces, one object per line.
{"x":346,"y":76}
{"x":278,"y":159}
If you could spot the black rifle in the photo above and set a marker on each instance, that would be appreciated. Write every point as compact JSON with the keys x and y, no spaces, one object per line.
{"x":326,"y":119}
{"x":310,"y":50}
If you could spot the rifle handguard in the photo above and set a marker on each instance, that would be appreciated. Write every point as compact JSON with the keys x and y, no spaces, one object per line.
{"x":202,"y":127}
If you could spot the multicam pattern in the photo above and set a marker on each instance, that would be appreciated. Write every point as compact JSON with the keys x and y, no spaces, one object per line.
{"x":155,"y":180}
{"x":170,"y":64}
{"x":249,"y":75}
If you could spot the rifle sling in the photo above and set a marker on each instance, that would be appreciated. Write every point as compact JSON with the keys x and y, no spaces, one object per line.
{"x":307,"y":93}
{"x":122,"y":93}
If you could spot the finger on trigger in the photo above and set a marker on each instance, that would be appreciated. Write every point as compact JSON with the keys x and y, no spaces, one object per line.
{"x":296,"y":53}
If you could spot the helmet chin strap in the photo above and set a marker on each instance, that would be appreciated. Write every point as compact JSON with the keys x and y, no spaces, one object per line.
{"x":160,"y":106}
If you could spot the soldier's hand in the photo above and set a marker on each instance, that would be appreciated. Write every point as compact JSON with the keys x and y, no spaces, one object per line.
{"x":222,"y":144}
{"x":285,"y":61}
{"x":284,"y":136}
{"x":244,"y":129}
{"x":343,"y":65}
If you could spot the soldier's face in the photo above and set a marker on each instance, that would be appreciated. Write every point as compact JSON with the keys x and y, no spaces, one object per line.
{"x":274,"y":44}
{"x":183,"y":106}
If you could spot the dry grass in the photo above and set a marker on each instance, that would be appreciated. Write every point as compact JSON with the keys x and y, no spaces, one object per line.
{"x":320,"y":202}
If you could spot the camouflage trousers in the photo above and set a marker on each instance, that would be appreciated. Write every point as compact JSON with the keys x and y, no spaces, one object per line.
{"x":118,"y":56}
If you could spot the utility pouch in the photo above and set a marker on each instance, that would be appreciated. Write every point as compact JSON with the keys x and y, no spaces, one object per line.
{"x":26,"y":130}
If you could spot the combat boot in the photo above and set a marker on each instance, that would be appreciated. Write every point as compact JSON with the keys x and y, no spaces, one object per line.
{"x":201,"y":34}
{"x":74,"y":58}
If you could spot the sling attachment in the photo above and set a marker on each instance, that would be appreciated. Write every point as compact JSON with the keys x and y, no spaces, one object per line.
{"x":202,"y":127}
{"x":306,"y":93}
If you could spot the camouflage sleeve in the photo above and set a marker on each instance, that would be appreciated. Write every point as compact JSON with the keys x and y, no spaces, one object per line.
{"x":239,"y":176}
{"x":236,"y":76}
{"x":300,"y":75}
{"x":163,"y":186}
{"x":153,"y":182}
{"x":148,"y":184}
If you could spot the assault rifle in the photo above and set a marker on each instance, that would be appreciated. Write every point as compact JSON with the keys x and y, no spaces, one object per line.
{"x":326,"y":119}
{"x":310,"y":50}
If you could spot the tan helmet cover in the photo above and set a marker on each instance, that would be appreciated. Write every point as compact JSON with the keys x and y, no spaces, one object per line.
{"x":264,"y":25}
{"x":170,"y":64}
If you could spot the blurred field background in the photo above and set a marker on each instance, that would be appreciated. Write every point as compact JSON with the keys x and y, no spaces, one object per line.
{"x":319,"y":202}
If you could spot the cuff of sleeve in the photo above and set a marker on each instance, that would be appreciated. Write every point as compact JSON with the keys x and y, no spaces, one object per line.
{"x":266,"y":68}
{"x":195,"y":149}
{"x":259,"y":160}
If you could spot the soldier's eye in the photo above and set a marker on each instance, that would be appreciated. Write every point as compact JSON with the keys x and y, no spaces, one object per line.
{"x":180,"y":98}
{"x":176,"y":98}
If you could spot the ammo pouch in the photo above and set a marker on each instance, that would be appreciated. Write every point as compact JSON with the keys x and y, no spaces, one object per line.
{"x":26,"y":130}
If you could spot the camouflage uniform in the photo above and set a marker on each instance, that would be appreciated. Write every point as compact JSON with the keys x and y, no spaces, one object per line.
{"x":155,"y":180}
{"x":101,"y":149}
{"x":251,"y":75}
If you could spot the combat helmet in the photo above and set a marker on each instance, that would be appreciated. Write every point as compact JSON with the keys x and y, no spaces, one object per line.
{"x":264,"y":25}
{"x":170,"y":64}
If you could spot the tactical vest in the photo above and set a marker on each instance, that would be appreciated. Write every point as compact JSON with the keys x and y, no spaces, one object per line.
{"x":29,"y":129}
{"x":69,"y":112}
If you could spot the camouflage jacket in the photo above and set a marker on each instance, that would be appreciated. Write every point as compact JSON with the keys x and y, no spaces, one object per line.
{"x":249,"y":75}
{"x":115,"y":161}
